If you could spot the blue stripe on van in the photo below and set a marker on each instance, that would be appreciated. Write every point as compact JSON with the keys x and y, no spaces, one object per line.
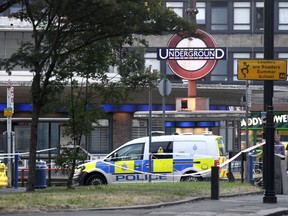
{"x":104,"y":166}
{"x":181,"y":164}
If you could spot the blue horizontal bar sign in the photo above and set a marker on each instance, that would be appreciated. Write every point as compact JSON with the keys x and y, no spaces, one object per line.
{"x":191,"y":53}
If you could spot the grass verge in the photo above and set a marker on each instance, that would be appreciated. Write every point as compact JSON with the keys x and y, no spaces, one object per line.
{"x":54,"y":198}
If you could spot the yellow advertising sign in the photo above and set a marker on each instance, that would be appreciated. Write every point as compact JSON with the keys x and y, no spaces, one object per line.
{"x":260,"y":69}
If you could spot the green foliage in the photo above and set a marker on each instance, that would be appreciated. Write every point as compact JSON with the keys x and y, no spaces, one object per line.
{"x":69,"y":155}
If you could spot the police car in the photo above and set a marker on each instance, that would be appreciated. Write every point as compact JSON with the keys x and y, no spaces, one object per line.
{"x":172,"y":158}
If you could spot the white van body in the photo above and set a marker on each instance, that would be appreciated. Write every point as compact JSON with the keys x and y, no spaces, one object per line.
{"x":173,"y":158}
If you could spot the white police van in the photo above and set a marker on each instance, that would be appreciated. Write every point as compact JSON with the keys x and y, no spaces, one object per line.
{"x":172,"y":158}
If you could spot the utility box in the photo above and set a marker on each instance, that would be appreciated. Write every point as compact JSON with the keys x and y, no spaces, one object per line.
{"x":41,"y":168}
{"x":281,"y":181}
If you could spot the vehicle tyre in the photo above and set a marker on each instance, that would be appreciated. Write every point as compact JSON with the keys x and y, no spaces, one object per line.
{"x":191,"y":178}
{"x":258,"y":171}
{"x":95,"y":179}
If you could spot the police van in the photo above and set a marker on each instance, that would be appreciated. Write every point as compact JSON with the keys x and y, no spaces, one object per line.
{"x":172,"y":158}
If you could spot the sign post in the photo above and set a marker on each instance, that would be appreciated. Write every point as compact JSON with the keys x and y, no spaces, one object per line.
{"x":8,"y":112}
{"x":164,"y":90}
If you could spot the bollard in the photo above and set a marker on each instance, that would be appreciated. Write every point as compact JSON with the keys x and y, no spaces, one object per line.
{"x":243,"y":159}
{"x":250,"y":175}
{"x":215,"y":183}
{"x":16,"y":159}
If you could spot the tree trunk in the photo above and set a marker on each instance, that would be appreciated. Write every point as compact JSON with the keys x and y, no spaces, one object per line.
{"x":36,"y":108}
{"x":32,"y":151}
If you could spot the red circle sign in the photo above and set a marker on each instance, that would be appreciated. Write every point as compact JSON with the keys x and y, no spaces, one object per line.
{"x":192,"y":69}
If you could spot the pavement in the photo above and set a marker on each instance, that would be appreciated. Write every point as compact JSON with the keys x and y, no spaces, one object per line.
{"x":244,"y":204}
{"x":241,"y":204}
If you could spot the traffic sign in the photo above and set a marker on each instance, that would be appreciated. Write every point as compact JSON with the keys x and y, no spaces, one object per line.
{"x":248,"y":69}
{"x":164,"y":87}
{"x":8,"y":112}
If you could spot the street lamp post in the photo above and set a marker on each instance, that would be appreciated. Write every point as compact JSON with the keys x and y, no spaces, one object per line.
{"x":269,"y":129}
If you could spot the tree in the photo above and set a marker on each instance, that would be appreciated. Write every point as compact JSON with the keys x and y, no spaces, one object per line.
{"x":62,"y":28}
{"x":80,"y":101}
{"x":7,"y":4}
{"x":80,"y":120}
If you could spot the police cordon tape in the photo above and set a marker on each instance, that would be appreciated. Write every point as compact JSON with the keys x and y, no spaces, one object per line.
{"x":196,"y":174}
{"x":25,"y":153}
{"x":244,"y":151}
{"x":12,"y":155}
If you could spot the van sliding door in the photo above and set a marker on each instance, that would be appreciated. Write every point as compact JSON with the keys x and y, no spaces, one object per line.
{"x":162,"y":161}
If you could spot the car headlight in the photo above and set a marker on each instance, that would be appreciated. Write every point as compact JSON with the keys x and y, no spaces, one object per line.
{"x":79,"y":169}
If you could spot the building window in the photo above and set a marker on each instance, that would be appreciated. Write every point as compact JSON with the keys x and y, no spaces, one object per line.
{"x":151,"y":60}
{"x":54,"y":138}
{"x":13,"y":9}
{"x":42,"y":136}
{"x":259,"y":16}
{"x":201,"y":16}
{"x":219,"y":16}
{"x":139,"y":128}
{"x":171,"y":75}
{"x":23,"y":131}
{"x":259,"y":55}
{"x":99,"y":140}
{"x":22,"y":138}
{"x":241,"y":16}
{"x":283,"y":56}
{"x":219,"y":73}
{"x":283,"y":16}
{"x":177,"y":7}
{"x":65,"y":139}
{"x":237,"y":56}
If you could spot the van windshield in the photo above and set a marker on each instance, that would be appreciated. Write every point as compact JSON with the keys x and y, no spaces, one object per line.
{"x":128,"y":152}
{"x":221,"y":146}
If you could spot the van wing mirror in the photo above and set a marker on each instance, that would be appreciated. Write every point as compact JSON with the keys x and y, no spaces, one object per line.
{"x":115,"y":156}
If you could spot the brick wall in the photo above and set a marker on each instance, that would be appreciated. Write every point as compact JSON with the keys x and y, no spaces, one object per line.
{"x":122,"y":126}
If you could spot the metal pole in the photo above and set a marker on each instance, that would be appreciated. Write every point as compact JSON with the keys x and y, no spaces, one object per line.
{"x":9,"y":136}
{"x":164,"y":102}
{"x":248,"y":102}
{"x":16,"y":171}
{"x":268,"y":149}
{"x":150,"y":129}
{"x":191,"y":16}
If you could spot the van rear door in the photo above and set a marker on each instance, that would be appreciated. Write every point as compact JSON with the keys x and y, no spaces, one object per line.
{"x":222,"y":156}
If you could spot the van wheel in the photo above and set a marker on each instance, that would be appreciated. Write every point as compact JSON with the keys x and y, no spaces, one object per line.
{"x":190,"y":178}
{"x":95,"y":179}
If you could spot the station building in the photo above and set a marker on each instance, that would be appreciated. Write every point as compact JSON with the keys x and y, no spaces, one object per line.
{"x":235,"y":25}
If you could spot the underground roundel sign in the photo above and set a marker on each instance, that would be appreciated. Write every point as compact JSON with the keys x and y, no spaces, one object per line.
{"x":191,"y":58}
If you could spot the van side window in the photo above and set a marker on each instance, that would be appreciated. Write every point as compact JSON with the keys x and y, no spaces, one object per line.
{"x":162,"y":147}
{"x":130,"y":152}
